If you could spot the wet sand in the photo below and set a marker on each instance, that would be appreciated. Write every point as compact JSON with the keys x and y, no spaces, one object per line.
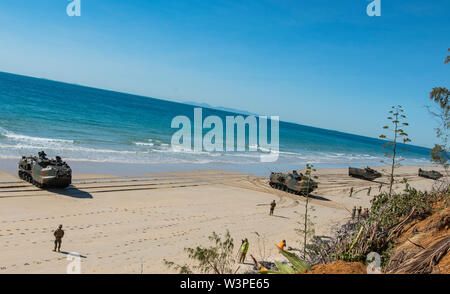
{"x":129,"y":225}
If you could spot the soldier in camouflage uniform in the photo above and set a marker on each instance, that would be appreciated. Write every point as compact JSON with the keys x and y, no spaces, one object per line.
{"x":59,"y":234}
{"x":353,"y":212}
{"x":272,"y":207}
{"x":42,"y":155}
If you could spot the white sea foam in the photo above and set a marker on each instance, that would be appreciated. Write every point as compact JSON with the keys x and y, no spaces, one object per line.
{"x":144,"y":144}
{"x":13,"y":145}
{"x":24,"y":138}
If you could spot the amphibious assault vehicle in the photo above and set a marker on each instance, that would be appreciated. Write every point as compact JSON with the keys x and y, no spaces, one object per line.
{"x":364,"y":173}
{"x":434,"y":175}
{"x":292,"y":182}
{"x":45,"y":173}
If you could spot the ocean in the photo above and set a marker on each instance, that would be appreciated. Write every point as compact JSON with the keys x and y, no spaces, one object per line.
{"x":84,"y":124}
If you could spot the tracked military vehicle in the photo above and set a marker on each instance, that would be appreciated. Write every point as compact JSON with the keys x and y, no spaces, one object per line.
{"x":276,"y":180}
{"x":45,"y":173}
{"x":434,"y":175}
{"x":292,"y":182}
{"x":364,"y":173}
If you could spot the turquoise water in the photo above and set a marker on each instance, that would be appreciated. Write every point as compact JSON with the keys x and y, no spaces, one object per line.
{"x":87,"y":124}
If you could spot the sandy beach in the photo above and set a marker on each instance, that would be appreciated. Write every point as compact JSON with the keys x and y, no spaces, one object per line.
{"x":129,"y":225}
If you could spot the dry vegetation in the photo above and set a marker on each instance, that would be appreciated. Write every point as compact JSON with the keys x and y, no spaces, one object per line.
{"x":409,"y":230}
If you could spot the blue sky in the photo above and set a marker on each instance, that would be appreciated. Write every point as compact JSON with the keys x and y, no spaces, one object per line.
{"x":320,"y":63}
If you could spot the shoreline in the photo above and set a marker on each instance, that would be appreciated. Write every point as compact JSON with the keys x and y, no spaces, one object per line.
{"x":136,"y":170}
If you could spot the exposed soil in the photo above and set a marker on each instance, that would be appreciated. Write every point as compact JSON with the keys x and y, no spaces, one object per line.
{"x":411,"y":245}
{"x":339,"y":267}
{"x":418,"y":236}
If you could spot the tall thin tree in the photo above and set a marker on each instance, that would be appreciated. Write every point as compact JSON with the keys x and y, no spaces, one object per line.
{"x":396,"y":118}
{"x":307,"y":229}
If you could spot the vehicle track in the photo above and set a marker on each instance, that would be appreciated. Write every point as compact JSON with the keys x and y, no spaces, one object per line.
{"x":121,"y":185}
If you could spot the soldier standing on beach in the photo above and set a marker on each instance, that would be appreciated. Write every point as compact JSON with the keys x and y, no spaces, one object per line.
{"x":59,"y":234}
{"x":359,"y":212}
{"x":272,"y":207}
{"x":353,"y":212}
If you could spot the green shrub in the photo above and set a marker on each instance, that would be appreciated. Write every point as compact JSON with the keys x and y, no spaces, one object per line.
{"x":218,"y":258}
{"x":388,"y":210}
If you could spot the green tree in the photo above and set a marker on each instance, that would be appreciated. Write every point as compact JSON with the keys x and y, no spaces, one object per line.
{"x":396,"y":118}
{"x":440,"y":152}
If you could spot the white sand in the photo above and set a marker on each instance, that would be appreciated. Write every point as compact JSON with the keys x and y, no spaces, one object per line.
{"x":121,"y":225}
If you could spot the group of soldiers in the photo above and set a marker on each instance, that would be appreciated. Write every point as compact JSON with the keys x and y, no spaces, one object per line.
{"x":359,"y":213}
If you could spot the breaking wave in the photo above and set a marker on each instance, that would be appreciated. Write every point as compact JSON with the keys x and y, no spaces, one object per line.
{"x":30,"y":139}
{"x":14,"y":145}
